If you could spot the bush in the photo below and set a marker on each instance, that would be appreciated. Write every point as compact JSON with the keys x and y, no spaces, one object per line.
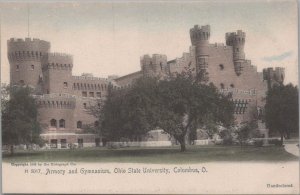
{"x":276,"y":142}
{"x":258,"y":143}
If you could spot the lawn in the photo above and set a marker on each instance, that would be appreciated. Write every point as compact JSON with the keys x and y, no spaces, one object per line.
{"x":194,"y":154}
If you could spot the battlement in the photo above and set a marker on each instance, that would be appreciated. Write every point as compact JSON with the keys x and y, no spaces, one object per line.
{"x":28,"y":39}
{"x":155,"y":59}
{"x":58,"y":61}
{"x":233,"y":38}
{"x":84,"y":77}
{"x":27,"y":44}
{"x":199,"y":34}
{"x":274,"y":75}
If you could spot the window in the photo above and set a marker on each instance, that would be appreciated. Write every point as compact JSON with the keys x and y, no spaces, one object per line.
{"x":61,"y":123}
{"x":65,"y":84}
{"x":161,"y":66}
{"x":21,"y":82}
{"x":84,"y":105}
{"x":79,"y":124}
{"x":237,"y":49}
{"x":222,"y":86}
{"x":84,"y":94}
{"x":17,"y":67}
{"x":96,"y":124}
{"x":232,"y":85}
{"x":91,"y":94}
{"x":98,"y":94}
{"x":63,"y":143}
{"x":53,"y":143}
{"x":32,"y":67}
{"x":80,"y":143}
{"x":221,"y":67}
{"x":53,"y":123}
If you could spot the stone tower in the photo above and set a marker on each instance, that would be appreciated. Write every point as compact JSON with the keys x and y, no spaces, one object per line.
{"x":154,"y":66}
{"x":274,"y":76}
{"x":57,"y":71}
{"x":25,"y":59}
{"x":237,"y":41}
{"x":200,"y":39}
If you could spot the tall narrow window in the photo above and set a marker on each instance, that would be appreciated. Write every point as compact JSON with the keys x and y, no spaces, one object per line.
{"x":17,"y":67}
{"x":79,"y":124}
{"x":221,"y":67}
{"x":53,"y":123}
{"x":96,"y":124}
{"x":222,"y":85}
{"x":84,"y":105}
{"x":62,"y":123}
{"x":65,"y":84}
{"x":32,"y":67}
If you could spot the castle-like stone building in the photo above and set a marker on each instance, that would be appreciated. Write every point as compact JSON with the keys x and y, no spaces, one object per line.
{"x":63,"y":98}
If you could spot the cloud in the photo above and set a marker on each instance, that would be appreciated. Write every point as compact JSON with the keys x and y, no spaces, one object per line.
{"x":278,"y":57}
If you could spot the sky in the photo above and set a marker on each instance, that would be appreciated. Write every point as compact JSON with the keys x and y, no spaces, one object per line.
{"x":108,"y":38}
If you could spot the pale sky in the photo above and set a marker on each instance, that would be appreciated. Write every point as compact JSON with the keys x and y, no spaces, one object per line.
{"x":108,"y":38}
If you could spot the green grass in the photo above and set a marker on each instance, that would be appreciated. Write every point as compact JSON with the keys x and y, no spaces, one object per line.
{"x":194,"y":154}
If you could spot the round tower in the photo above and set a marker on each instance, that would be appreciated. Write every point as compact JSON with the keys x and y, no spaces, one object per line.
{"x":155,"y":65}
{"x":200,"y":39}
{"x":25,"y":59}
{"x":237,"y":41}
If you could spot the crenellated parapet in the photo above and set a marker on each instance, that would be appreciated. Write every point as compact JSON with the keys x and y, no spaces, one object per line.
{"x":59,"y":61}
{"x":26,"y":49}
{"x":155,"y":65}
{"x":274,"y":76}
{"x":200,"y":35}
{"x":237,"y":41}
{"x":56,"y":101}
{"x":25,"y":58}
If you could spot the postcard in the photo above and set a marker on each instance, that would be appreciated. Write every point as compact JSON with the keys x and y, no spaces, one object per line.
{"x":151,"y":97}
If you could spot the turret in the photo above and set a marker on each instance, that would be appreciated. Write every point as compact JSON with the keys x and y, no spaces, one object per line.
{"x":274,"y":76}
{"x":237,"y":41}
{"x":57,"y":71}
{"x":155,"y":65}
{"x":25,"y":59}
{"x":200,"y":39}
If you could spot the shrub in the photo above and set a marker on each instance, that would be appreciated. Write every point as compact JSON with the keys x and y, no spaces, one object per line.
{"x":258,"y":143}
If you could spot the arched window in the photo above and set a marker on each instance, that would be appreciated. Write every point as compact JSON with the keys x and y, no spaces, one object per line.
{"x":79,"y":124}
{"x":62,"y":123}
{"x":53,"y":123}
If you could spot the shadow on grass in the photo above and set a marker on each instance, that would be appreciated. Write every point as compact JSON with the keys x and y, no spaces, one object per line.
{"x":168,"y":155}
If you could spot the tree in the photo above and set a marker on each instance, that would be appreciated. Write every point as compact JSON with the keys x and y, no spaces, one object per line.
{"x":245,"y":130}
{"x":129,"y":113}
{"x":178,"y":105}
{"x":19,"y":117}
{"x":185,"y":101}
{"x":281,"y":110}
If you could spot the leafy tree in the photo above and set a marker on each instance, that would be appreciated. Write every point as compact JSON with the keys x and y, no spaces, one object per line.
{"x":178,"y":105}
{"x":129,"y":113}
{"x":19,"y":117}
{"x":281,"y":110}
{"x":244,"y":131}
{"x":184,"y":101}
